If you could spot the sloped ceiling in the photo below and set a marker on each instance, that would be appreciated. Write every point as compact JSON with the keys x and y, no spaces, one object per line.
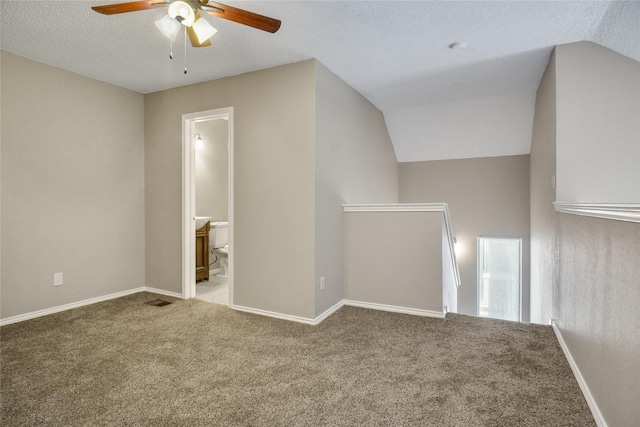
{"x":439,"y":103}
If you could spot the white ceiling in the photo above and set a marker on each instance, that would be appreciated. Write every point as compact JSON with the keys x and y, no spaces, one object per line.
{"x":395,"y":53}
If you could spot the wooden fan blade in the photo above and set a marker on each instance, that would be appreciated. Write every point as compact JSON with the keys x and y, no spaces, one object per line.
{"x":241,"y":16}
{"x":112,"y":9}
{"x":194,"y":38}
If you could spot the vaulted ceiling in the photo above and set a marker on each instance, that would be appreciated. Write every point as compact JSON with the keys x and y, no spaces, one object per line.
{"x":438,"y":102}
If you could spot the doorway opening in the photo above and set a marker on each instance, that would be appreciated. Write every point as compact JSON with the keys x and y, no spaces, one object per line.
{"x":500,"y":278}
{"x":194,"y":126}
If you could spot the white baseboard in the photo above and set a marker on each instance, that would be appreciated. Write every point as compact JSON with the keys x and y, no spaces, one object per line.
{"x":274,"y":314}
{"x":336,"y":307}
{"x":395,"y":309}
{"x":163,"y":292}
{"x":329,"y":312}
{"x":299,"y":319}
{"x":595,"y":411}
{"x":58,"y":309}
{"x":65,"y":307}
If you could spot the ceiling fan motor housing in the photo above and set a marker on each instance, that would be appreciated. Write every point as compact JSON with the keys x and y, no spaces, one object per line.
{"x":182,"y":12}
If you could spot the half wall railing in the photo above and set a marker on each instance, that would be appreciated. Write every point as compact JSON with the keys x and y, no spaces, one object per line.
{"x":450,"y":271}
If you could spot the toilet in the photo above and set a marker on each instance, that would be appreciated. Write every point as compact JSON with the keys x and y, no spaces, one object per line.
{"x":219,"y":245}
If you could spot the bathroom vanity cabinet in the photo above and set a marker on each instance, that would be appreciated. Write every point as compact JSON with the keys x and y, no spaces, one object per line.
{"x":202,"y":252}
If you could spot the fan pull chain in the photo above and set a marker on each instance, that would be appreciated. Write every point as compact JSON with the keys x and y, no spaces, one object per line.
{"x":171,"y":50}
{"x":185,"y":50}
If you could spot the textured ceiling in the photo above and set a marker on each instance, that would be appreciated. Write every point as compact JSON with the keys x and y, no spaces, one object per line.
{"x":395,"y":53}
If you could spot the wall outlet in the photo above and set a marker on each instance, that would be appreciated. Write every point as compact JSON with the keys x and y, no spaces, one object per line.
{"x":322,"y":283}
{"x":57,"y":279}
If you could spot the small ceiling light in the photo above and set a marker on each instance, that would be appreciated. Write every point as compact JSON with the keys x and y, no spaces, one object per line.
{"x":169,"y":27}
{"x":199,"y":142}
{"x":203,"y":29}
{"x":183,"y":12}
{"x":458,"y":45}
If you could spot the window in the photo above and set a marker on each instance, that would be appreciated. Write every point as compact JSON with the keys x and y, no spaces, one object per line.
{"x":499,"y":277}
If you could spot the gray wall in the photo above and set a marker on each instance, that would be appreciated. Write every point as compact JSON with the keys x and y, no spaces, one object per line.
{"x":596,"y":309}
{"x":598,"y":108}
{"x":355,"y":163}
{"x":273,"y":184}
{"x":137,"y":141}
{"x":394,"y":258}
{"x":597,"y":262}
{"x":305,"y":143}
{"x":543,"y":194}
{"x":212,"y":170}
{"x":487,"y":197}
{"x":72,"y":187}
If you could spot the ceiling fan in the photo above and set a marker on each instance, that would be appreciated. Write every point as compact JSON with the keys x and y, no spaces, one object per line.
{"x":187,"y":13}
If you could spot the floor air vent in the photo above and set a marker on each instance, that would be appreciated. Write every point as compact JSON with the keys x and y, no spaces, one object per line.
{"x":158,"y":303}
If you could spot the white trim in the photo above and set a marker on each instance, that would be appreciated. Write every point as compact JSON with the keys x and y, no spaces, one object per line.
{"x":336,"y":307}
{"x":401,"y":207}
{"x":328,"y":312}
{"x":395,"y":309}
{"x":77,"y":304}
{"x":188,"y":204}
{"x":188,"y":200}
{"x":616,"y":211}
{"x":299,"y":319}
{"x":289,"y":317}
{"x":163,"y":292}
{"x":451,"y":244}
{"x":230,"y":208}
{"x":595,"y":411}
{"x":274,"y":314}
{"x":65,"y":307}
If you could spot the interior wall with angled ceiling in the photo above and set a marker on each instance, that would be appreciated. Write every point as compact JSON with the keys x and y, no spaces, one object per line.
{"x":354,"y":163}
{"x":304,"y":143}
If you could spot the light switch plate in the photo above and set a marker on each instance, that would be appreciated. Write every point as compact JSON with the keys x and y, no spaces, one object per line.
{"x":57,"y":279}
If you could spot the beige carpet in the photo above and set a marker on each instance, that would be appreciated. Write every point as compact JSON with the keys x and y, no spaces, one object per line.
{"x":193,"y":363}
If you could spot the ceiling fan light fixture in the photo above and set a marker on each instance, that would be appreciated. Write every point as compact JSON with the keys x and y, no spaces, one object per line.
{"x":204,"y":31}
{"x":168,"y":26}
{"x":182,"y":12}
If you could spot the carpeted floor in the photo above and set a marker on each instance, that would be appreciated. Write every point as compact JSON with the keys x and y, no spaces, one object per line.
{"x":193,"y":363}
